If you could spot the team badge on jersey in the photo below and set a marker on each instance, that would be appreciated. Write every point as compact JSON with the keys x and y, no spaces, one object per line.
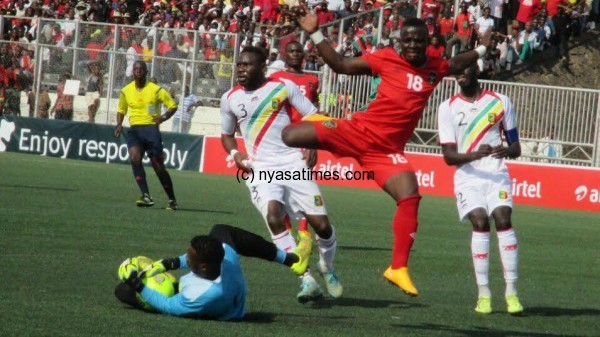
{"x":318,"y":200}
{"x":491,"y":118}
{"x":330,"y":124}
{"x":275,"y":104}
{"x":432,"y":77}
{"x":503,"y":195}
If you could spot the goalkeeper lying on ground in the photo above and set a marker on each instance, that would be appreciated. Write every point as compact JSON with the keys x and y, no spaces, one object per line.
{"x":215,"y":288}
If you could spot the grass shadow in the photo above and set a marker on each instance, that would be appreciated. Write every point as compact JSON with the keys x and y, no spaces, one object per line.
{"x":364,"y":248}
{"x":556,"y":312}
{"x":42,"y":188}
{"x":444,"y":330}
{"x":327,"y":303}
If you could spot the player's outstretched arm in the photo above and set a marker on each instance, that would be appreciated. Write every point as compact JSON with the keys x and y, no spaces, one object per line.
{"x":339,"y":64}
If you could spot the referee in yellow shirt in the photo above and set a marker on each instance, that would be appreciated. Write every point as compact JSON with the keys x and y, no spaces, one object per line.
{"x":141,"y":99}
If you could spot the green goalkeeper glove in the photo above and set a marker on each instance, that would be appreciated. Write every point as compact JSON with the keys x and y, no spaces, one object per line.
{"x":161,"y":266}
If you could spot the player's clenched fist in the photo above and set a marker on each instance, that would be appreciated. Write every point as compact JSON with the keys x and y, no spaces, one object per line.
{"x":484,"y":150}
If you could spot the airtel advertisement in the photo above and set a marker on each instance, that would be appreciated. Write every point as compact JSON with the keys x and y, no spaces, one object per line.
{"x":563,"y":187}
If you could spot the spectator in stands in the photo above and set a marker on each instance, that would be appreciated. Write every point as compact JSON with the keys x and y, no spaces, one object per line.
{"x":185,"y":111}
{"x":540,"y":32}
{"x":446,"y":24}
{"x":324,"y":16}
{"x":43,"y":104}
{"x":463,"y":29}
{"x":63,"y":107}
{"x":549,"y":148}
{"x":435,"y":49}
{"x":527,"y":42}
{"x":274,"y":63}
{"x":528,"y":9}
{"x":562,"y":23}
{"x":488,"y":65}
{"x":484,"y":24}
{"x":93,"y":92}
{"x":508,"y":47}
{"x":498,"y":15}
{"x":431,"y":25}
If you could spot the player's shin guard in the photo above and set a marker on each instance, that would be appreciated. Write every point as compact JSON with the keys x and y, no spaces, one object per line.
{"x":480,"y":252}
{"x":140,"y":177}
{"x":509,"y":254}
{"x":167,"y":184}
{"x":405,"y":229}
{"x":327,"y":249}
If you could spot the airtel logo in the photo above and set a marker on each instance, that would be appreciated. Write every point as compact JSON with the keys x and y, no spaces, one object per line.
{"x":581,"y":192}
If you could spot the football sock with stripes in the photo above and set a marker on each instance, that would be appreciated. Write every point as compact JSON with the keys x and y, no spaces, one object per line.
{"x":480,"y":252}
{"x":509,"y":255}
{"x":327,"y":249}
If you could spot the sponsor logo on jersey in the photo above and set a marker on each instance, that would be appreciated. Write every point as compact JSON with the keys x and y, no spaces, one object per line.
{"x":432,"y":77}
{"x":503,"y":195}
{"x":330,"y":124}
{"x":318,"y":200}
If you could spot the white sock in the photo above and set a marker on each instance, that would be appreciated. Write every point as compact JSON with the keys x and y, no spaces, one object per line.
{"x":509,"y":254}
{"x":284,"y":241}
{"x":480,"y":252}
{"x":327,"y":249}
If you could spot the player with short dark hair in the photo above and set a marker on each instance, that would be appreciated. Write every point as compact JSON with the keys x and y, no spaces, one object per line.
{"x":376,"y":137}
{"x":215,"y":288}
{"x":470,"y":128}
{"x":260,"y":107}
{"x":141,"y":98}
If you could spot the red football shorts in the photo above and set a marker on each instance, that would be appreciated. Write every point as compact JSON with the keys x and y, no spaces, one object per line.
{"x":348,"y":138}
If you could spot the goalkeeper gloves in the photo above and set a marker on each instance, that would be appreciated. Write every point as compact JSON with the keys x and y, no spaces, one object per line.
{"x":135,"y":282}
{"x":161,"y":266}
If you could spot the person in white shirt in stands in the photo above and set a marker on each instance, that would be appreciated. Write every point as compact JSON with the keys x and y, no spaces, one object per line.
{"x":185,"y":112}
{"x":484,"y":23}
{"x":527,"y":42}
{"x":549,"y":149}
{"x":274,"y":64}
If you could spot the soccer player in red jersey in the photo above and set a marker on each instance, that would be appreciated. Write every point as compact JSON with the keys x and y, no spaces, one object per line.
{"x":309,"y":86}
{"x":376,"y":137}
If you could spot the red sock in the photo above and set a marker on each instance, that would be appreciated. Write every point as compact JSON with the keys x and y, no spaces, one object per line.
{"x":405,"y":228}
{"x":288,"y":224}
{"x":302,"y":224}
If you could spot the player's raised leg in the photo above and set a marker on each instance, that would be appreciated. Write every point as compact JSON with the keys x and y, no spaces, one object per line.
{"x":404,"y":189}
{"x":509,"y":255}
{"x":327,"y":245}
{"x":302,"y":135}
{"x":480,"y":252}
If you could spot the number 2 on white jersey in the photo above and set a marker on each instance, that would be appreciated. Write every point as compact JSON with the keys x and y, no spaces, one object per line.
{"x":415,"y":82}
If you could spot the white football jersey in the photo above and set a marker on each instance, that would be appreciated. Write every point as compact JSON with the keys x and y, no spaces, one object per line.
{"x":470,"y":124}
{"x":262,"y":114}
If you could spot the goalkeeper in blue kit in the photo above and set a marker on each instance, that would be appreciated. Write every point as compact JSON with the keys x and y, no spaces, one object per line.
{"x":215,"y":288}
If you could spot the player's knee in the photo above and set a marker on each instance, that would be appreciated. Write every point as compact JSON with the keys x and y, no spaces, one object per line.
{"x":276,"y":223}
{"x":503,"y":224}
{"x":481,"y":224}
{"x":321,"y":226}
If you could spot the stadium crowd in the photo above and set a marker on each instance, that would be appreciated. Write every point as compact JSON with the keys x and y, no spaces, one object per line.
{"x":520,"y":28}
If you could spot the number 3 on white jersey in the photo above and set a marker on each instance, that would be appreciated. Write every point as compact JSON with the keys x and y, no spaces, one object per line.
{"x":415,"y":82}
{"x":397,"y":158}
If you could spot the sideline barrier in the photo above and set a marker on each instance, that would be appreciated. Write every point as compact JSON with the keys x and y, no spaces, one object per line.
{"x":88,"y":141}
{"x":564,"y":187}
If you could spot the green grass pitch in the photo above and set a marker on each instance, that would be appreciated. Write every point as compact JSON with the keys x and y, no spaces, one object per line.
{"x":66,"y":225}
